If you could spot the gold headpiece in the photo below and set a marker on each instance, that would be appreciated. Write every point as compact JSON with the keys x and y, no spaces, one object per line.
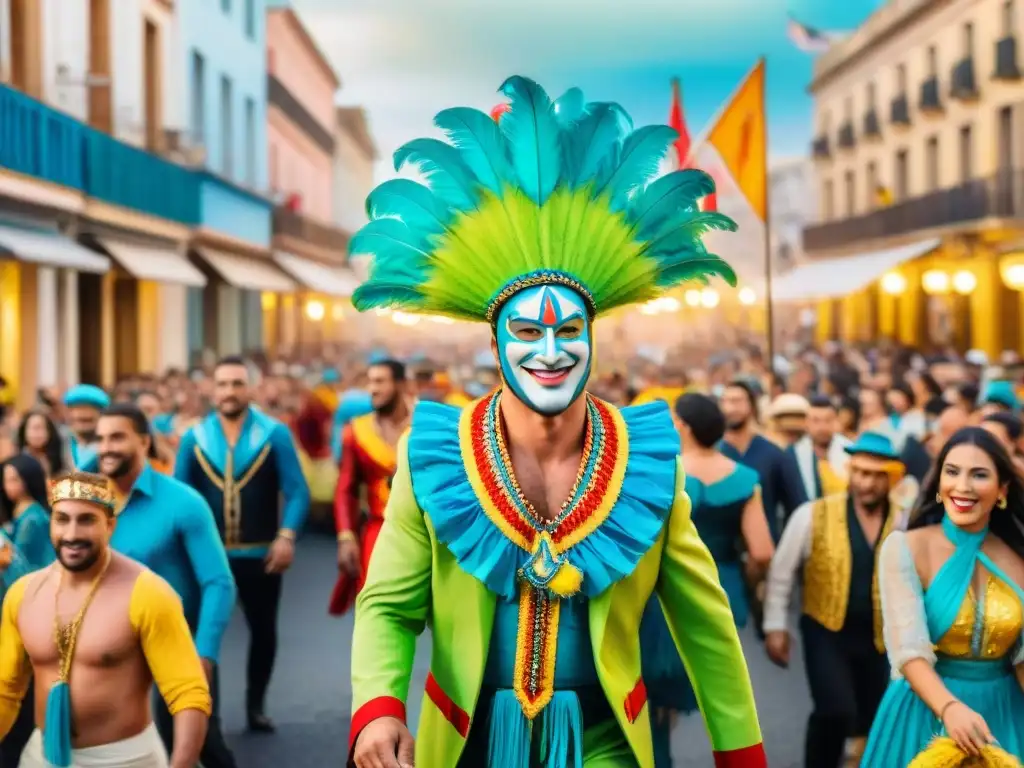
{"x":95,"y":489}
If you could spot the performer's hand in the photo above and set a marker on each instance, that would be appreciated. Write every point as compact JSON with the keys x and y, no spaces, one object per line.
{"x":384,"y":743}
{"x":348,"y":557}
{"x":280,"y":556}
{"x":967,"y":728}
{"x":777,"y":646}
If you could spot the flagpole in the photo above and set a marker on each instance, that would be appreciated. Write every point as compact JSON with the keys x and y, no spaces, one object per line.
{"x":769,"y":314}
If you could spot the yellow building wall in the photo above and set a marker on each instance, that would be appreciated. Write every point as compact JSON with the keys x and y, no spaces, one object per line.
{"x":824,"y":330}
{"x":108,"y":344}
{"x":149,"y":326}
{"x":10,"y":324}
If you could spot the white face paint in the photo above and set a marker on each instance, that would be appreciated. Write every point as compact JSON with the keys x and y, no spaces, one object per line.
{"x":544,"y":347}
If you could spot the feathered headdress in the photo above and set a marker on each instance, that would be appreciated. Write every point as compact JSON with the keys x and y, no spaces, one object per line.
{"x":552,"y":193}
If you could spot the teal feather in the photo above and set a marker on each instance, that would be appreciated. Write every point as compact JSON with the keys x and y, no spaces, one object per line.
{"x":481,"y":144}
{"x":57,"y":725}
{"x":665,"y":198}
{"x":696,"y":267}
{"x":450,"y":178}
{"x":593,"y":138}
{"x":533,"y":134}
{"x":389,"y":234}
{"x":569,"y":107}
{"x":509,"y":738}
{"x":385,"y":293}
{"x":414,"y":204}
{"x":686,"y":230}
{"x":642,"y":153}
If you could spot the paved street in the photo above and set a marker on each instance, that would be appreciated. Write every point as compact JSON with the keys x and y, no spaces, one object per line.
{"x":310,"y":697}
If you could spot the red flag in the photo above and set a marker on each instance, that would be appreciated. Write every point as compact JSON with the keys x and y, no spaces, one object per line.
{"x":682,"y":144}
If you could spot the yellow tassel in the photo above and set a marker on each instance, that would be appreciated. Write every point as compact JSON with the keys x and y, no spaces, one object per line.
{"x":567,"y":581}
{"x":943,"y":752}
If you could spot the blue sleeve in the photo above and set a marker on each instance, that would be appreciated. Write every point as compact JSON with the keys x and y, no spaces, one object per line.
{"x":337,"y":428}
{"x":205,"y":550}
{"x":92,"y":464}
{"x":293,"y":481}
{"x":33,"y":542}
{"x":184,"y":462}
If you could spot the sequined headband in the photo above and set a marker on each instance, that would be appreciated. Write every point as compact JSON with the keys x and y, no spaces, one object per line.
{"x":69,"y":489}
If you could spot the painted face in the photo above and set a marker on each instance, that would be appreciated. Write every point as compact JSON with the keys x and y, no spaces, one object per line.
{"x":544,"y":347}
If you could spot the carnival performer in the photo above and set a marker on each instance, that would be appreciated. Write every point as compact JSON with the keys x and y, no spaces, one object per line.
{"x":95,"y":630}
{"x":726,"y":510}
{"x":168,"y":527}
{"x":836,"y":540}
{"x":532,"y":526}
{"x":368,"y":463}
{"x":84,"y":403}
{"x":953,"y":598}
{"x":244,"y":463}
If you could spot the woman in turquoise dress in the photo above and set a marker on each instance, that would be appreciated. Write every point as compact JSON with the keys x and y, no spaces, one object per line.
{"x":25,"y":508}
{"x":726,"y":510}
{"x":952,"y":592}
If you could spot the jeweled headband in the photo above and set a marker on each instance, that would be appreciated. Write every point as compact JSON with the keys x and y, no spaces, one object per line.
{"x":95,"y":490}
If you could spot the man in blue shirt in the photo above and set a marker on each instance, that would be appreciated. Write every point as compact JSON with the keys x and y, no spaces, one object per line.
{"x":168,"y":527}
{"x":244,"y":463}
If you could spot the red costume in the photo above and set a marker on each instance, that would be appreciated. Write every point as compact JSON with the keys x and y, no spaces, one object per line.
{"x":367,"y":464}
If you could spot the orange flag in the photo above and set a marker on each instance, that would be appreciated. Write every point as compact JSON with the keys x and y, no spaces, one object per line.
{"x":740,"y":137}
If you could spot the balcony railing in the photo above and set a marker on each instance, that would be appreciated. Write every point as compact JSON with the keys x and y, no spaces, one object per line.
{"x":1006,"y":59}
{"x":46,"y":144}
{"x":820,"y":148}
{"x":899,"y":113}
{"x":962,"y":84}
{"x":930,"y":101}
{"x":872,"y":125}
{"x":846,"y":136}
{"x":296,"y":225}
{"x":1000,"y":196}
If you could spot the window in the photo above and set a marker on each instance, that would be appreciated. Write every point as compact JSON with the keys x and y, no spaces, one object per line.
{"x":968,"y":36}
{"x":198,"y":123}
{"x":226,"y":128}
{"x":901,"y":79}
{"x":902,"y":175}
{"x":250,"y":142}
{"x":933,"y":61}
{"x":827,"y":206}
{"x":1006,"y":138}
{"x":848,"y":109}
{"x":1009,"y":18}
{"x":932,"y":163}
{"x":871,"y":96}
{"x":966,"y":154}
{"x":250,"y":19}
{"x":851,"y":191}
{"x":871,"y":188}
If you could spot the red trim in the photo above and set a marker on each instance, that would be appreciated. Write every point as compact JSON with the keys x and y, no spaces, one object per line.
{"x":382,"y":706}
{"x":748,"y":757}
{"x":635,"y":701}
{"x":452,"y":712}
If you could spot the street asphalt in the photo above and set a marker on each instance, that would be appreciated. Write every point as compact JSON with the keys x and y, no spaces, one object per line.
{"x":310,"y":697}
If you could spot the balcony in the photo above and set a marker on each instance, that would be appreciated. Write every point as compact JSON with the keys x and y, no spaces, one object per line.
{"x":46,"y":144}
{"x":1000,"y":196}
{"x":872,"y":125}
{"x":930,"y":102}
{"x":846,"y":137}
{"x":820,"y":148}
{"x":963,"y":86}
{"x":292,"y":224}
{"x":899,"y":112}
{"x":1006,"y":60}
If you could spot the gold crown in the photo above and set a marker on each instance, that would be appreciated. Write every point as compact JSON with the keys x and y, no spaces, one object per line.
{"x":71,"y":488}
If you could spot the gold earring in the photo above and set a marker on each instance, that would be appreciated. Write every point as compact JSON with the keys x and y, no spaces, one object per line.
{"x":938,"y":498}
{"x":1001,"y":503}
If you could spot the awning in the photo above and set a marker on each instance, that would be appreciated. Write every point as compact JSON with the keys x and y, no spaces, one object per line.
{"x":843,"y":275}
{"x":51,"y":249}
{"x":334,"y":281}
{"x":146,"y":262}
{"x":247,"y":272}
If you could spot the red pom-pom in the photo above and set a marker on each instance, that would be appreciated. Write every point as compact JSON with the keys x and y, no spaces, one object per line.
{"x":500,"y":110}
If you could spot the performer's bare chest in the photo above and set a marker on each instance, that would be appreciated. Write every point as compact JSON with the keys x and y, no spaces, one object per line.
{"x":546,"y":487}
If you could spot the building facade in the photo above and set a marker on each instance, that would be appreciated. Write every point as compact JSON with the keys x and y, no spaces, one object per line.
{"x":355,"y":157}
{"x":917,"y":150}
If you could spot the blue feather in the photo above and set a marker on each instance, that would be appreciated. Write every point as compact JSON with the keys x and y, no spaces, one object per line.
{"x":449,"y":176}
{"x":382,"y":293}
{"x":569,"y":107}
{"x":390,"y":240}
{"x":416,"y":206}
{"x":666,"y":197}
{"x":696,"y":267}
{"x":534,"y":135}
{"x":591,"y":141}
{"x":642,"y":153}
{"x":481,"y":144}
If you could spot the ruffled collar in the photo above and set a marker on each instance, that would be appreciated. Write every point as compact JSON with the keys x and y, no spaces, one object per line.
{"x":464,"y":481}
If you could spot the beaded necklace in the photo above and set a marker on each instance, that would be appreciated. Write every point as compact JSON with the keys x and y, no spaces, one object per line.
{"x":66,"y":635}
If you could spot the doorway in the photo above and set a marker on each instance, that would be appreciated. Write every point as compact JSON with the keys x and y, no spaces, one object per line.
{"x":90,"y":327}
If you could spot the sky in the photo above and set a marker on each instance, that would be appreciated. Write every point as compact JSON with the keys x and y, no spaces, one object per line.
{"x":405,"y":60}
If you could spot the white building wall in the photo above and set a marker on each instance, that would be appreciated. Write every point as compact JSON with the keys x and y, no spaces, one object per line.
{"x":70,"y":371}
{"x":65,"y":37}
{"x":353,"y":181}
{"x":173,"y":352}
{"x":47,"y":327}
